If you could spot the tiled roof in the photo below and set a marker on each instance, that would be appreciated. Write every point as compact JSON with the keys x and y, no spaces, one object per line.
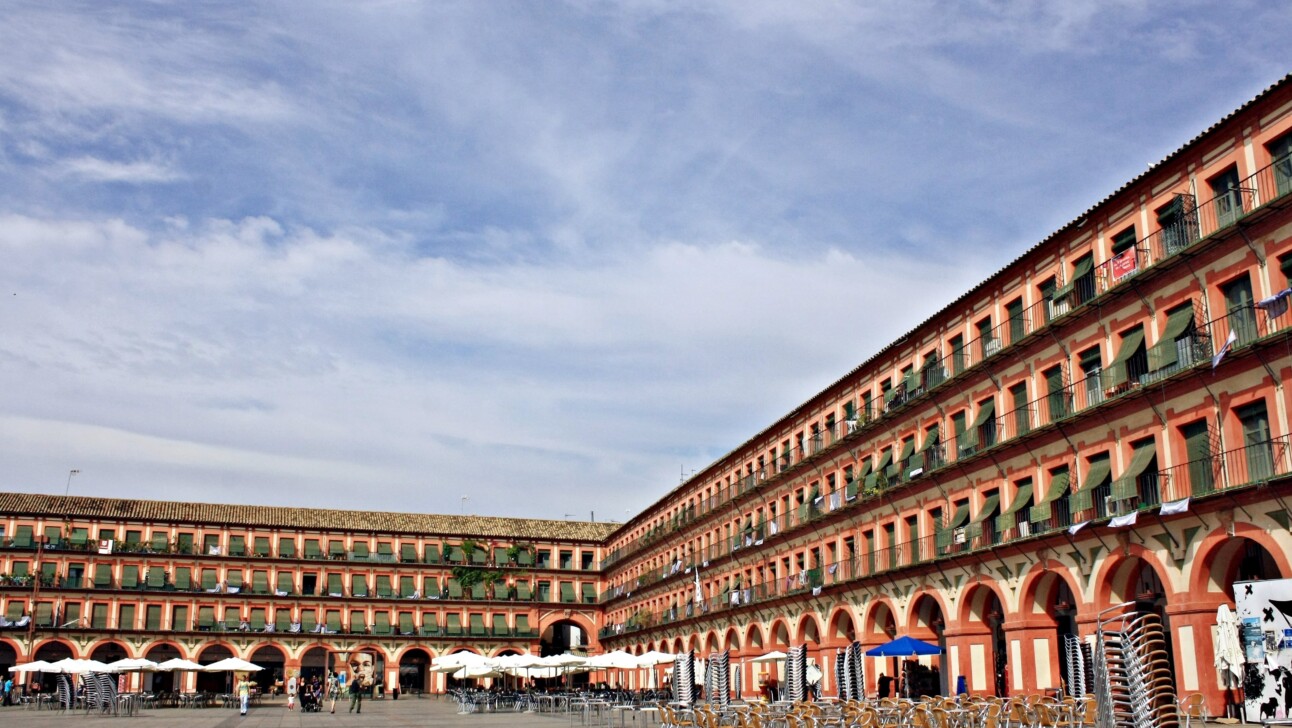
{"x":147,"y":511}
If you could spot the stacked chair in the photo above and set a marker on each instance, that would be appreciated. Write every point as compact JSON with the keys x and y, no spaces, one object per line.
{"x":855,"y":664}
{"x":1076,"y":655}
{"x":684,"y":679}
{"x":720,"y":669}
{"x":796,"y":674}
{"x":1133,"y":683}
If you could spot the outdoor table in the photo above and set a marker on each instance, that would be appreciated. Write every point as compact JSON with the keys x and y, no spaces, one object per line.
{"x":651,"y":712}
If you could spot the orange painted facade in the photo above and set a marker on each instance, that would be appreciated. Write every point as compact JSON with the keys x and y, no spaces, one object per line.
{"x":960,"y":486}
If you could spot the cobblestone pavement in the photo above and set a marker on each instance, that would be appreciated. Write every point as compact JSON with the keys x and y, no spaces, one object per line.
{"x":398,"y":713}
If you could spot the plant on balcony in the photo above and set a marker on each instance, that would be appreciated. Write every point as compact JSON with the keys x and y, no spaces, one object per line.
{"x":468,"y":548}
{"x":514,"y":551}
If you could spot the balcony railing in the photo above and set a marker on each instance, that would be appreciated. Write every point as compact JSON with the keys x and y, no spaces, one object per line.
{"x":1249,"y":465}
{"x":1193,"y":224}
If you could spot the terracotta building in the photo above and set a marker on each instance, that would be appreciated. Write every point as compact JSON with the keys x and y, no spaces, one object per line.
{"x":1102,"y":421}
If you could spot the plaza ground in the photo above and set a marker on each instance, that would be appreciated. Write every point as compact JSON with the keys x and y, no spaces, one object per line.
{"x":385,"y":713}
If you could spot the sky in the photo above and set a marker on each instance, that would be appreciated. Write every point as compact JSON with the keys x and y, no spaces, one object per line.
{"x":534,"y":259}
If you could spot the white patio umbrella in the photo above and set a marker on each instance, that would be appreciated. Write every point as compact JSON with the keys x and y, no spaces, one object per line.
{"x":176,"y":663}
{"x":617,"y":660}
{"x":1229,"y":651}
{"x":653,"y":658}
{"x":477,"y":671}
{"x":773,"y":656}
{"x":236,"y":664}
{"x":37,"y":666}
{"x":76,"y":667}
{"x":133,"y":664}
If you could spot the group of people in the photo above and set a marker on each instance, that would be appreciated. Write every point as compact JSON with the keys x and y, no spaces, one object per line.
{"x":313,"y":691}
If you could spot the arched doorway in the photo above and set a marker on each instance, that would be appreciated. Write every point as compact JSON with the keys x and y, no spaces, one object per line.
{"x":1138,"y":582}
{"x":413,"y":666}
{"x":842,"y":631}
{"x":560,"y":637}
{"x":49,"y":652}
{"x":985,"y":609}
{"x":926,"y":623}
{"x":314,"y":664}
{"x":108,"y":652}
{"x":1051,"y":598}
{"x":214,"y":682}
{"x":163,"y":681}
{"x":8,"y":658}
{"x":273,"y":660}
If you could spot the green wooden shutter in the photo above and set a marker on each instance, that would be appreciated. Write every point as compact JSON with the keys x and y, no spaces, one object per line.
{"x":1197,"y":447}
{"x":287,"y":548}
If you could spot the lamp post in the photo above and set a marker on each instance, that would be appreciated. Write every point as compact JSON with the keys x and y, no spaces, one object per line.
{"x":68,"y":489}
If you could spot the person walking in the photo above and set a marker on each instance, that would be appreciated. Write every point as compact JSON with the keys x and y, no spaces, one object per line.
{"x":356,"y":695}
{"x":333,"y":689}
{"x":8,"y":690}
{"x":291,"y":692}
{"x":244,"y":693}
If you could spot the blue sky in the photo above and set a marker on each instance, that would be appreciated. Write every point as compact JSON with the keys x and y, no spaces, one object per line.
{"x":544,"y":255}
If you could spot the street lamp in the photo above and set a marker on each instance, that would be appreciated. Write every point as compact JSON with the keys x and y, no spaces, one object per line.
{"x":68,"y":489}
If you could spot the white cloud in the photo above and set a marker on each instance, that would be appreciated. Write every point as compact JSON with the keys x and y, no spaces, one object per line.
{"x":101,"y":170}
{"x":286,"y":358}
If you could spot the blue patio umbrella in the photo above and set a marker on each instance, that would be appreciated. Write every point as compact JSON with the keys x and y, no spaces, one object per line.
{"x":904,"y":647}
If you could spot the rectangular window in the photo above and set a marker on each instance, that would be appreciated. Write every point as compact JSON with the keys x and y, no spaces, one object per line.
{"x":287,"y":548}
{"x":1259,"y":456}
{"x":1022,"y":415}
{"x":126,"y":617}
{"x":152,"y":617}
{"x":1201,"y":466}
{"x":1124,"y":240}
{"x":1281,"y":158}
{"x":1178,"y":220}
{"x":179,"y":619}
{"x":1227,"y":197}
{"x":987,"y":344}
{"x":957,"y":344}
{"x":1175,"y":349}
{"x":1130,"y":363}
{"x":1017,"y":326}
{"x":262,"y":545}
{"x":1242,"y":315}
{"x":1056,"y":395}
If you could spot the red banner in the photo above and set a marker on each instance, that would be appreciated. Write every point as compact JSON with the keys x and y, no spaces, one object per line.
{"x":1124,"y":264}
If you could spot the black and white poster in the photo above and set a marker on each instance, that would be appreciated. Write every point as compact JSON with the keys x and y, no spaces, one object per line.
{"x":1264,"y":610}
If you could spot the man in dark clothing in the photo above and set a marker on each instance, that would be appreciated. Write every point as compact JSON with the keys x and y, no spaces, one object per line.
{"x":885,"y":685}
{"x":356,"y":695}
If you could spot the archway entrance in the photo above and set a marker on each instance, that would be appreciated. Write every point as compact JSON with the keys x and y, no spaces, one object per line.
{"x":49,"y":652}
{"x":8,"y":658}
{"x":412,"y":671}
{"x":214,"y":682}
{"x":927,"y":623}
{"x":162,"y":682}
{"x":1053,"y":598}
{"x":271,"y":679}
{"x":560,"y":637}
{"x":314,"y":664}
{"x":1140,"y":584}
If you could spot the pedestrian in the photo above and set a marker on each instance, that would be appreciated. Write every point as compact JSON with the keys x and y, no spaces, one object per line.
{"x":8,"y":690}
{"x":356,"y":695}
{"x":291,"y":692}
{"x":244,"y":693}
{"x":333,"y":689}
{"x":885,"y":685}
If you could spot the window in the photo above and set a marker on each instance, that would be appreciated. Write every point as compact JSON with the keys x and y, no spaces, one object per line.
{"x":987,"y":345}
{"x":1242,"y":316}
{"x":1175,"y":350}
{"x":1197,"y":448}
{"x":1051,"y":509}
{"x":1046,"y":289}
{"x":1285,"y":265}
{"x":1087,"y":500}
{"x":1022,"y":415}
{"x":1124,"y":240}
{"x":1017,"y":327}
{"x":1178,"y":220}
{"x":1256,"y":441}
{"x":1080,"y":287}
{"x":957,"y":344}
{"x":1056,"y":397}
{"x":567,"y":559}
{"x":1227,"y":197}
{"x":1131,"y":362}
{"x":1013,"y":521}
{"x":1138,"y":486}
{"x":958,"y":427}
{"x":1091,"y":366}
{"x":1281,"y":156}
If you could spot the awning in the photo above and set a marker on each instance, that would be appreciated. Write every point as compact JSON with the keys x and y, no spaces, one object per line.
{"x":1058,"y":487}
{"x":988,"y":506}
{"x":958,"y":520}
{"x":908,"y":447}
{"x":1021,"y":499}
{"x":1083,"y":268}
{"x":885,"y":460}
{"x":1126,"y":486}
{"x":1165,"y":353}
{"x":985,"y":413}
{"x":930,"y":439}
{"x":1098,"y":473}
{"x":1115,"y":374}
